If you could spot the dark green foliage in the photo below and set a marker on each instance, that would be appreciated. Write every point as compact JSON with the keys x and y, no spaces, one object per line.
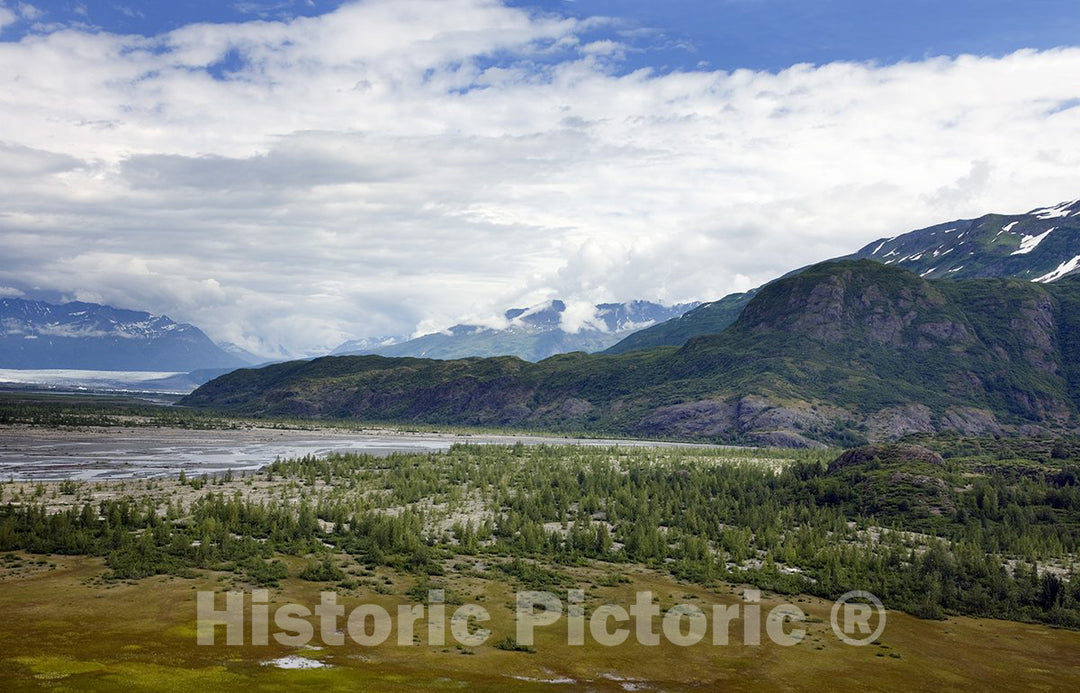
{"x":265,"y":573}
{"x":533,"y":577}
{"x":37,"y":409}
{"x":137,"y":542}
{"x":510,"y":644}
{"x":788,"y":532}
{"x":322,"y":571}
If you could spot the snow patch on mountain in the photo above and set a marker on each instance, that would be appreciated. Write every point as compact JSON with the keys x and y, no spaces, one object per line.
{"x":1062,"y":210}
{"x":1029,"y":243}
{"x":1063,"y":269}
{"x":80,"y":335}
{"x":995,"y":245}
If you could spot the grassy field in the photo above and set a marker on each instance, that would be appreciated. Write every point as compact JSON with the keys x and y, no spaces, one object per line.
{"x":65,"y":629}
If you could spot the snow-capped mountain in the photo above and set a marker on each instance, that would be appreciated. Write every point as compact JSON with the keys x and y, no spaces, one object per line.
{"x":603,"y":317}
{"x":77,"y":335}
{"x":368,"y":345}
{"x":1042,"y":245}
{"x":533,"y":333}
{"x":240,"y":353}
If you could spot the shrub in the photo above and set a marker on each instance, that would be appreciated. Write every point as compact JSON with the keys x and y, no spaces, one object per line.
{"x":323,"y":571}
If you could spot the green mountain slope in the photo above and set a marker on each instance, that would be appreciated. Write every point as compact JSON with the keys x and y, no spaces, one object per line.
{"x":841,"y":352}
{"x":1042,"y":246}
{"x":708,"y":318}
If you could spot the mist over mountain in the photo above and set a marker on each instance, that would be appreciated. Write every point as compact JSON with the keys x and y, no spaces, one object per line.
{"x":532,"y":334}
{"x":367,"y":345}
{"x":90,"y":336}
{"x":241,"y":353}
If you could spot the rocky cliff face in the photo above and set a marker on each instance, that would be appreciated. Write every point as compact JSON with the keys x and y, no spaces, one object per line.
{"x":853,"y":303}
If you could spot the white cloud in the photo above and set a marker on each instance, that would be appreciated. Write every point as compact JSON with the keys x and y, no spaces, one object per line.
{"x":578,"y":316}
{"x":408,"y":162}
{"x":28,"y":11}
{"x":6,"y":17}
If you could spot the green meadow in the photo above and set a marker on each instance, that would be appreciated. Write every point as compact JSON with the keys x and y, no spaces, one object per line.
{"x":66,"y":630}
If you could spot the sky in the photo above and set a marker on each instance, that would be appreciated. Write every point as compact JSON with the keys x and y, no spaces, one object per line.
{"x":290,"y":175}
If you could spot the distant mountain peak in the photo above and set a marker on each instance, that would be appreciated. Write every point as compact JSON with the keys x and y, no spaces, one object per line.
{"x":1042,"y":245}
{"x":532,"y":333}
{"x":546,"y":315}
{"x":1065,"y":209}
{"x":92,"y":336}
{"x":240,"y":353}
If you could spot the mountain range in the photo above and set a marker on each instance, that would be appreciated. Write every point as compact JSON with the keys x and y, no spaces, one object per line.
{"x":532,"y":333}
{"x":40,"y":335}
{"x":89,"y":336}
{"x":1042,"y":245}
{"x":842,"y":352}
{"x":776,"y":371}
{"x":972,"y":326}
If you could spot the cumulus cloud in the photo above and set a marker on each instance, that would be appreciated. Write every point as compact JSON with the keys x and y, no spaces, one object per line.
{"x":287,"y":185}
{"x":28,"y":11}
{"x":578,"y":316}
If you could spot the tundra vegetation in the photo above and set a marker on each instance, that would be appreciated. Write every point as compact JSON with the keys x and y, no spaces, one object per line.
{"x":987,"y":528}
{"x":99,"y":578}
